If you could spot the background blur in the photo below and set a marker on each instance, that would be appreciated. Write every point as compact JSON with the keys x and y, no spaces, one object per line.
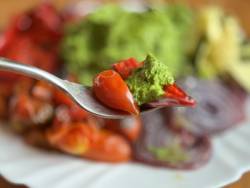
{"x":239,"y":8}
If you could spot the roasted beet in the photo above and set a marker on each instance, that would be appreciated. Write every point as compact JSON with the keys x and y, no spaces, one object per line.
{"x":219,"y":107}
{"x":160,"y":145}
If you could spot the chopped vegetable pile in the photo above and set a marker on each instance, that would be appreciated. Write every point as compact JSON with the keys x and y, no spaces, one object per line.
{"x":111,"y":34}
{"x":208,"y":42}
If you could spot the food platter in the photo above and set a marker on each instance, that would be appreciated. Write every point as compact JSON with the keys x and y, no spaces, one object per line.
{"x":24,"y":164}
{"x":21,"y":163}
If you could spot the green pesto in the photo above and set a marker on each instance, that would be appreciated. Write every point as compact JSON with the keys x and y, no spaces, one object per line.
{"x":172,"y":154}
{"x":111,"y":34}
{"x":147,"y":82}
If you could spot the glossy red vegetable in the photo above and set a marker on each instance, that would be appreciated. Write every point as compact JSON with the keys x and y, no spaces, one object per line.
{"x":126,"y":67}
{"x":176,"y":93}
{"x":109,"y":147}
{"x":33,"y":38}
{"x":87,"y":141}
{"x":72,"y":138}
{"x":112,"y":90}
{"x":50,"y":17}
{"x":173,"y":94}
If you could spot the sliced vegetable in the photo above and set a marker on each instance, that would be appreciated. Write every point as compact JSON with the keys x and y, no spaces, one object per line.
{"x":72,"y":138}
{"x":174,"y":96}
{"x":126,"y":67}
{"x":160,"y":145}
{"x":175,"y":92}
{"x":87,"y":141}
{"x":153,"y":81}
{"x":109,"y":147}
{"x":33,"y":38}
{"x":112,"y":90}
{"x":220,"y":106}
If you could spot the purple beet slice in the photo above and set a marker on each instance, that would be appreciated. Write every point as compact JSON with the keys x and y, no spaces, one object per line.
{"x":219,"y":107}
{"x":159,"y":145}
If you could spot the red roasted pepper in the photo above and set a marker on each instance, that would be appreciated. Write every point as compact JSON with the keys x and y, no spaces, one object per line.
{"x":33,"y":38}
{"x":112,"y":90}
{"x":174,"y":92}
{"x":126,"y":67}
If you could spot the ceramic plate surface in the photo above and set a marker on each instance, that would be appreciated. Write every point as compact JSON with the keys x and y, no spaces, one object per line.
{"x":21,"y":163}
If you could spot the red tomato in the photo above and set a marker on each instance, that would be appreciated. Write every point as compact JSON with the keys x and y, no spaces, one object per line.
{"x":126,"y":67}
{"x":112,"y":90}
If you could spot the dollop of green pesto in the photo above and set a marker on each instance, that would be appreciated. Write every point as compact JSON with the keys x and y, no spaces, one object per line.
{"x":112,"y":33}
{"x":147,"y":83}
{"x":172,"y":154}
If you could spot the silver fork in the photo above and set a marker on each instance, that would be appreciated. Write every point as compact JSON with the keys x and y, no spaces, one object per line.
{"x":80,"y":94}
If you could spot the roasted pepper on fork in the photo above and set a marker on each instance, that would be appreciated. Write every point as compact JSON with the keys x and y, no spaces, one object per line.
{"x":132,"y":85}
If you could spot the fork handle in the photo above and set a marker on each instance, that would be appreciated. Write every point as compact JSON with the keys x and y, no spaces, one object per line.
{"x":34,"y":72}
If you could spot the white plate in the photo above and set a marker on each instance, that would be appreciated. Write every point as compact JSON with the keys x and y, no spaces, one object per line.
{"x":21,"y":163}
